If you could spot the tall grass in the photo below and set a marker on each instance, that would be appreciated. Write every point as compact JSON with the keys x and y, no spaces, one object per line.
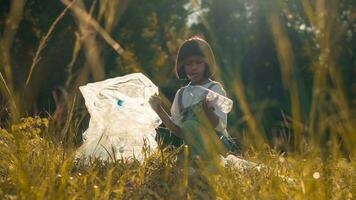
{"x":38,"y":155}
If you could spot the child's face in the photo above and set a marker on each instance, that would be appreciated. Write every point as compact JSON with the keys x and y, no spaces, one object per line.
{"x":194,"y":67}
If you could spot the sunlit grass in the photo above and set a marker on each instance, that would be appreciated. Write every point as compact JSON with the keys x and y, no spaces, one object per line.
{"x":34,"y":167}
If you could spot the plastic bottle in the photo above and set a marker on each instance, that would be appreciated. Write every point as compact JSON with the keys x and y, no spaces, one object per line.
{"x":222,"y":102}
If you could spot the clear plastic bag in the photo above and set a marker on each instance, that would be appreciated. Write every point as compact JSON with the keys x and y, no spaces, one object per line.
{"x":121,"y":117}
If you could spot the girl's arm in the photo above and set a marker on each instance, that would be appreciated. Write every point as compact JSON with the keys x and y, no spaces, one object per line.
{"x":168,"y":122}
{"x":156,"y":106}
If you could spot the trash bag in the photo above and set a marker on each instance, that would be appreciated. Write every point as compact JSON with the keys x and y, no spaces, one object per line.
{"x":121,"y":118}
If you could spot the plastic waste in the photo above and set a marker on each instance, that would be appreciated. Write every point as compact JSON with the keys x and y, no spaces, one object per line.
{"x":121,"y":118}
{"x":241,"y":164}
{"x":245,"y":165}
{"x":221,"y":102}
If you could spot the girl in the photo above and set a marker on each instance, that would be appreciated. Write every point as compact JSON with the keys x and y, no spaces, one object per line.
{"x":197,"y":121}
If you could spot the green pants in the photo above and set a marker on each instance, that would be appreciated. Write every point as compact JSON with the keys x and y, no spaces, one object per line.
{"x":199,"y":135}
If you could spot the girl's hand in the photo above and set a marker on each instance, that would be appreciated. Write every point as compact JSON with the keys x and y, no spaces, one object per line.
{"x":155,"y":102}
{"x":209,"y":111}
{"x":206,"y":105}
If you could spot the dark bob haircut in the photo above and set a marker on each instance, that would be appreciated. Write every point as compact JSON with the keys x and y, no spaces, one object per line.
{"x":195,"y":46}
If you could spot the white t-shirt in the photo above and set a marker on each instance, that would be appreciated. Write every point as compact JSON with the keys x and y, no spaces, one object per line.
{"x":188,"y":100}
